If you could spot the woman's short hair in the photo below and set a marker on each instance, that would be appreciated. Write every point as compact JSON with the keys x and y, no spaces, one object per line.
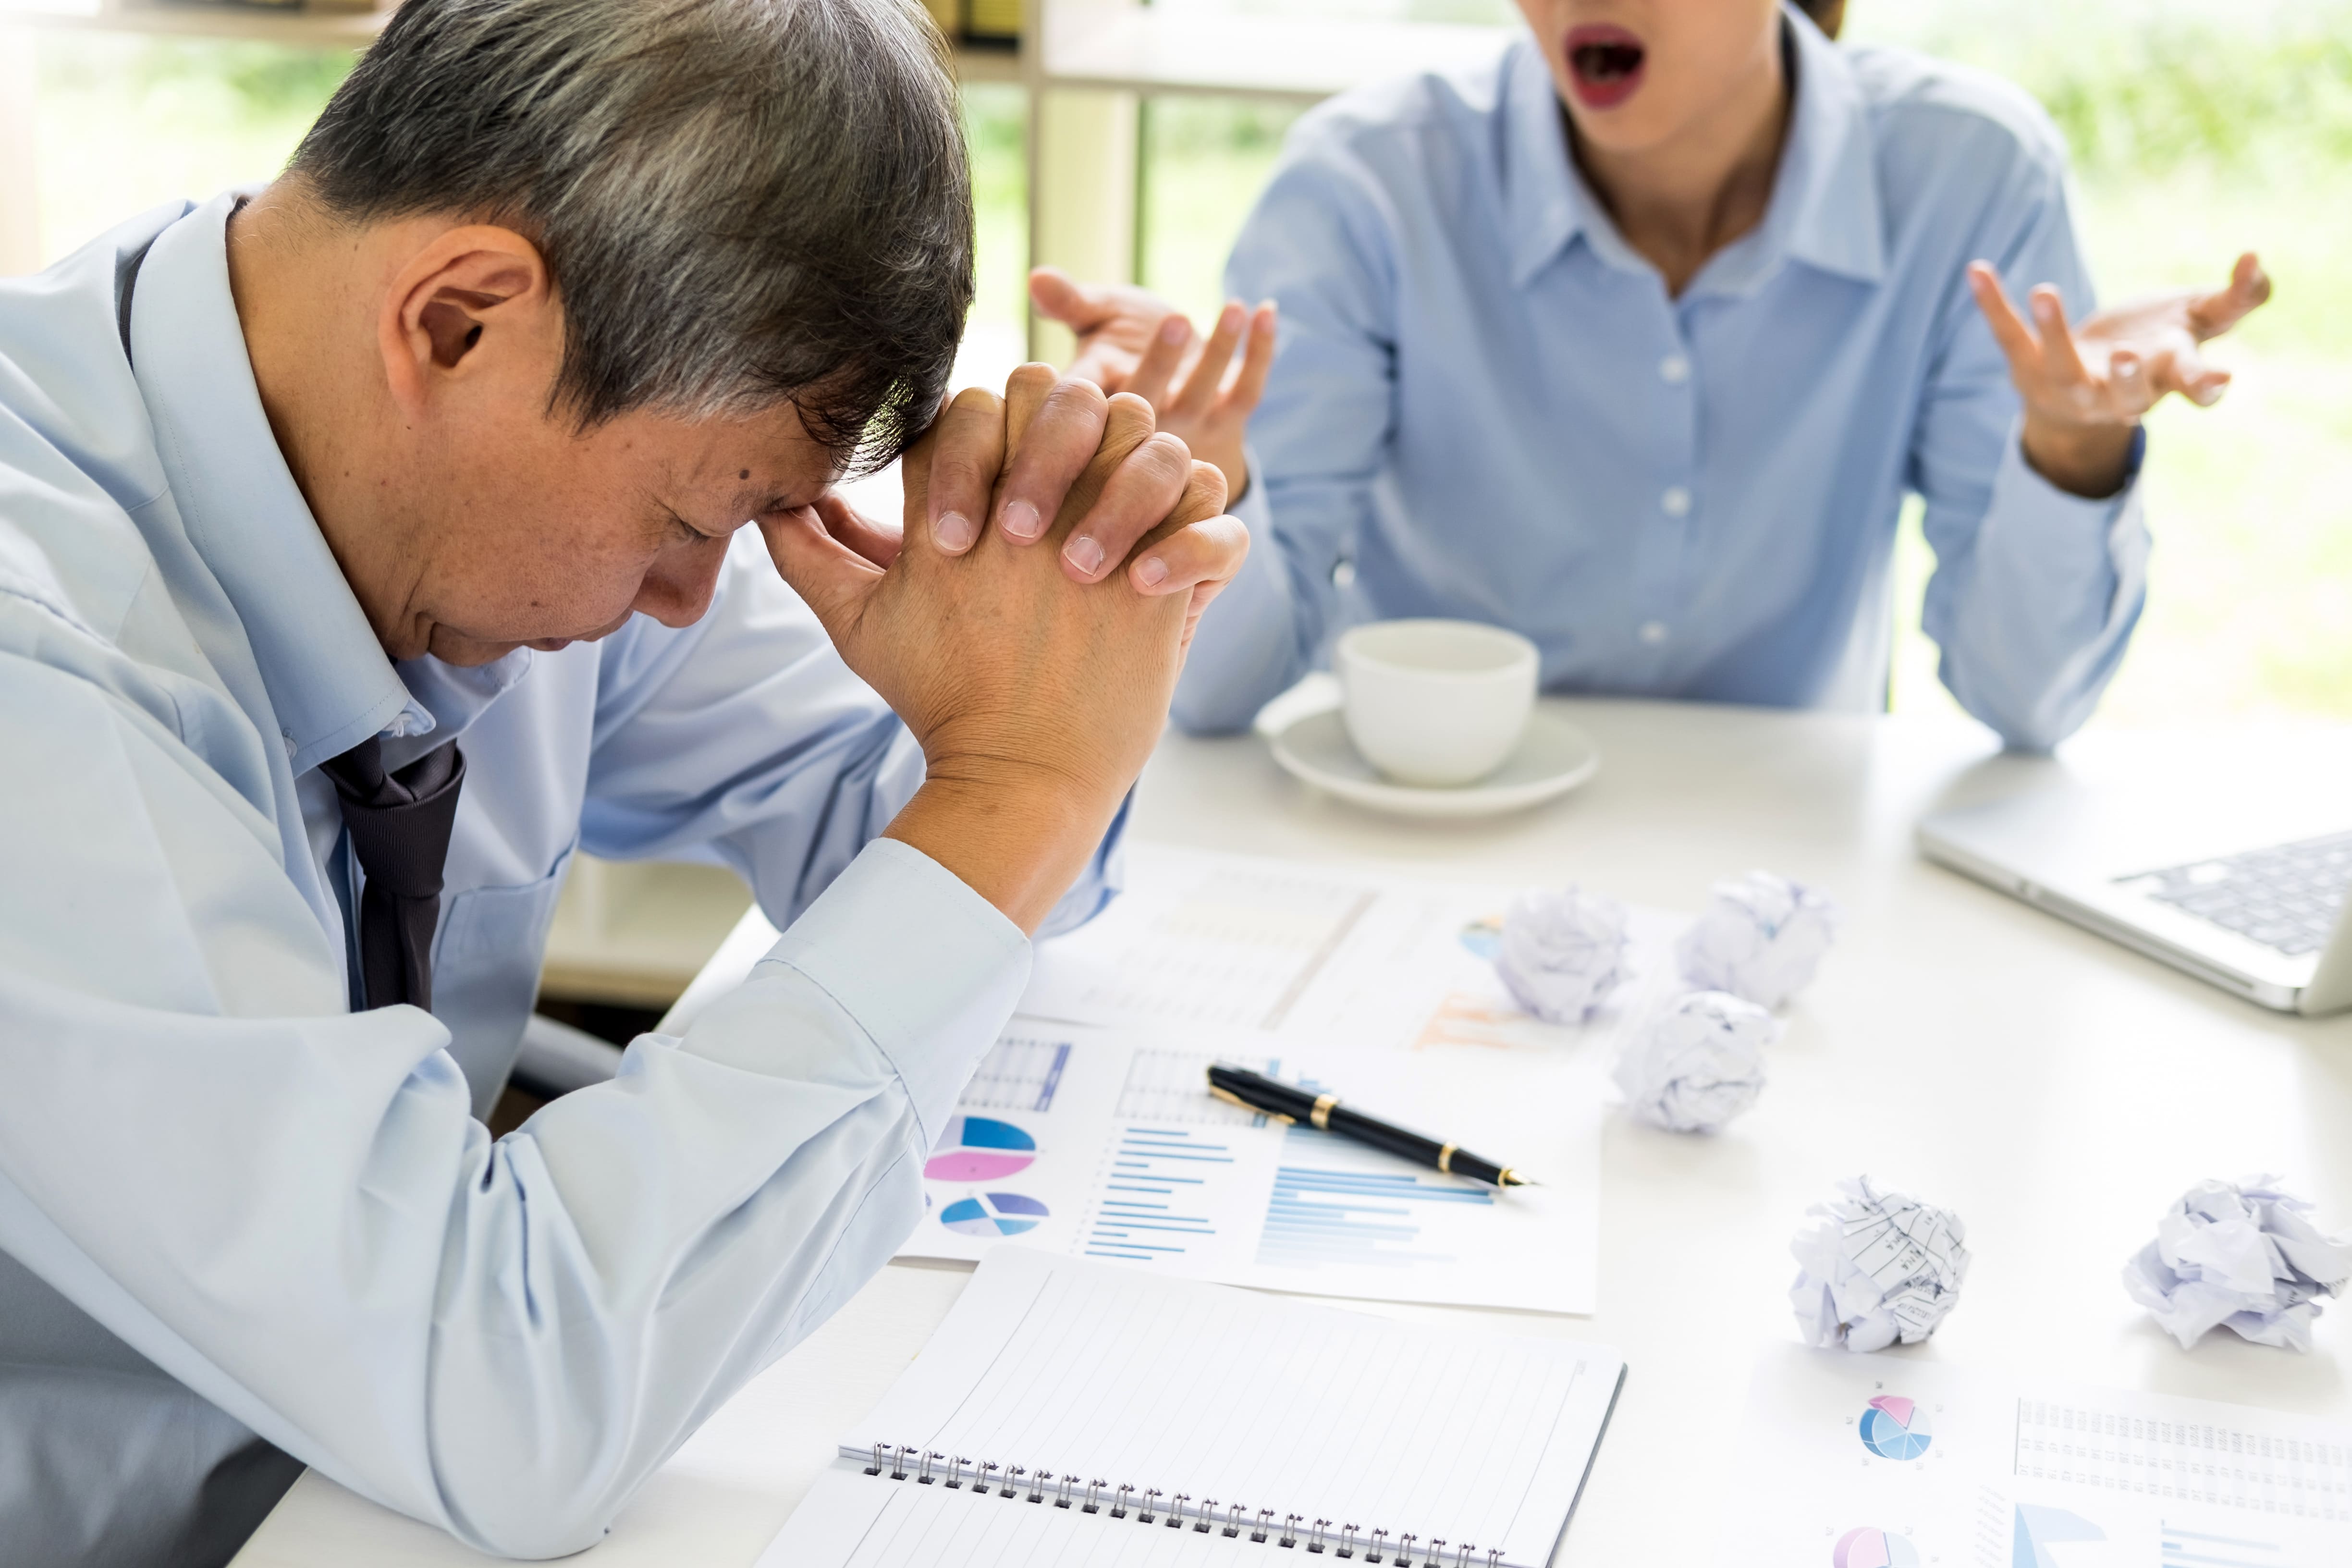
{"x":742,"y":203}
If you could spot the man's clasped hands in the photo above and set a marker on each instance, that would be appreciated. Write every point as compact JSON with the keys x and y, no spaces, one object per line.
{"x":1028,"y":620}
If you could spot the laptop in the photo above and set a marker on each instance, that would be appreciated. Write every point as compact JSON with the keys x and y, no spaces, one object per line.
{"x":2244,"y":888}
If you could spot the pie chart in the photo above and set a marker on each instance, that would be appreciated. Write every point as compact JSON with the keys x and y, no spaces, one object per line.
{"x":1895,"y":1427}
{"x":1872,"y":1547}
{"x":993,"y":1214}
{"x":980,"y":1149}
{"x":1483,"y":937}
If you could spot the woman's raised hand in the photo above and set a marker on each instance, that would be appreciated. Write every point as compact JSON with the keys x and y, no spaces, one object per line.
{"x":1130,"y":340}
{"x":2086,"y":387}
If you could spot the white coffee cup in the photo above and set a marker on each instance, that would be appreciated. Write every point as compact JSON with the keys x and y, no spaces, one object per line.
{"x":1435,"y":703}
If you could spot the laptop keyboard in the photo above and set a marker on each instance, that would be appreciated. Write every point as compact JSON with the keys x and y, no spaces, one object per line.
{"x":2288,"y":897}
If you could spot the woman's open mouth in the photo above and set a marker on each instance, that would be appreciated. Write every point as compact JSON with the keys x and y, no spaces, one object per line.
{"x":1604,"y":65}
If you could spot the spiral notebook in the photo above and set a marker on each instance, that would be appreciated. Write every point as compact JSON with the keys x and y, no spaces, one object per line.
{"x":1068,"y":1412}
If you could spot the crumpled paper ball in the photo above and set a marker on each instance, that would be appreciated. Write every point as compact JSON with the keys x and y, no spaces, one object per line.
{"x":1563,"y":952}
{"x":1698,"y":1064}
{"x":2244,"y":1256}
{"x":1877,"y":1266}
{"x":1760,"y":936}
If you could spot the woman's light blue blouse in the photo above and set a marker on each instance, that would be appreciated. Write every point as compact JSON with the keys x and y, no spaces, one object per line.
{"x":1487,"y":406}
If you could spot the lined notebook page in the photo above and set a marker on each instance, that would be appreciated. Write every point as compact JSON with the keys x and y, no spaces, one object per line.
{"x":849,"y":1521}
{"x":1069,"y":1368}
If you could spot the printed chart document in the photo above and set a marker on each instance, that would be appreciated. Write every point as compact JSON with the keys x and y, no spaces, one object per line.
{"x":1106,"y":1143}
{"x":1089,"y":1129}
{"x":1068,"y":1412}
{"x":1857,"y":1461}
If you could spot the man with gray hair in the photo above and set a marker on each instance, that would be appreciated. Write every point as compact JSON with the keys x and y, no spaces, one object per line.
{"x":369,"y":544}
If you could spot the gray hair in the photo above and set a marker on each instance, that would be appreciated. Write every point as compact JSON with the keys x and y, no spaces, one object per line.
{"x":742,"y":203}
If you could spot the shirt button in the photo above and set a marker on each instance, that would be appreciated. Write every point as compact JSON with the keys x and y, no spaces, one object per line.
{"x":1652,"y":632}
{"x":1673,"y":370}
{"x":1676,"y":500}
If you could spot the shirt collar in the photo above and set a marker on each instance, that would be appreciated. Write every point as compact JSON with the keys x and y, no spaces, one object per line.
{"x":326,"y":676}
{"x":1544,"y":200}
{"x":450,"y":697}
{"x":1824,"y":210}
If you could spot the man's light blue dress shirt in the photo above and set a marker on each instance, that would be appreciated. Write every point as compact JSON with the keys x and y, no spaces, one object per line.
{"x":228,"y":1205}
{"x":1487,"y":406}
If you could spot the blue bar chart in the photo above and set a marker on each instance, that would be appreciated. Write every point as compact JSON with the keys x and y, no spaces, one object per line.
{"x":1152,"y":1204}
{"x":1327,"y":1213}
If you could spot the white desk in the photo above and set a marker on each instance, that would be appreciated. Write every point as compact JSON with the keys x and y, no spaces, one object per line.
{"x":2057,"y":1092}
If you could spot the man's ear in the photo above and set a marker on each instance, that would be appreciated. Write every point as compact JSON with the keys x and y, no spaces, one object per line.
{"x":470,"y":301}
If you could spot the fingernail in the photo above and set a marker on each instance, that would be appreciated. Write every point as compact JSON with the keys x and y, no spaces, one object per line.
{"x":1020,"y":519}
{"x":1174,"y":330}
{"x":1229,"y":320}
{"x":954,"y":531}
{"x":2126,"y":366}
{"x":1151,"y":570}
{"x":1085,"y":554}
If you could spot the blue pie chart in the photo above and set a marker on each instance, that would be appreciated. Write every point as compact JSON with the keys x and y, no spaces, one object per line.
{"x":1893,"y":1427}
{"x":993,"y":1214}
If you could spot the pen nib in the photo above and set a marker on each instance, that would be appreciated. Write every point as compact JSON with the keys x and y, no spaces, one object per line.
{"x":1513,"y":1179}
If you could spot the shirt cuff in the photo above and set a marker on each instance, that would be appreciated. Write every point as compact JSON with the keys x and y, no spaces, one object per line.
{"x":1252,"y":508}
{"x":2056,"y":587}
{"x":926,"y":967}
{"x":1244,"y":650}
{"x":2068,"y":539}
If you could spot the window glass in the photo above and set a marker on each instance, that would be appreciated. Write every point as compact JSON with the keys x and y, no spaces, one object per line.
{"x":2198,"y":131}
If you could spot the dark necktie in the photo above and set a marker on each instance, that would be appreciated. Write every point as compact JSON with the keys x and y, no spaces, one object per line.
{"x":399,"y":823}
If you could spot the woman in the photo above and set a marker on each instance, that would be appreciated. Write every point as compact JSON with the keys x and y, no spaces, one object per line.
{"x":1636,"y":340}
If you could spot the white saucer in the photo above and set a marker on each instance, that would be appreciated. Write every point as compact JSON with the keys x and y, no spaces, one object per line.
{"x":1553,"y":758}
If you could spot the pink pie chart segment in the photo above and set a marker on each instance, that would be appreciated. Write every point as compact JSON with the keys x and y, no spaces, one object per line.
{"x":1872,"y":1547}
{"x":980,"y":1149}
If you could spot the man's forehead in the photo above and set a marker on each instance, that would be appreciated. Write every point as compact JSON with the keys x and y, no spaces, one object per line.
{"x":768,"y":452}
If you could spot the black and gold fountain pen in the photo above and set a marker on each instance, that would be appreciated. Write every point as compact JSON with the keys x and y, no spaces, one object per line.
{"x":1287,"y":1102}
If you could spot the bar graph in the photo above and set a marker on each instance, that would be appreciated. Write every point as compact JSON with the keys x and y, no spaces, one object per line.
{"x":1153,"y":1204}
{"x":1333,"y":1214}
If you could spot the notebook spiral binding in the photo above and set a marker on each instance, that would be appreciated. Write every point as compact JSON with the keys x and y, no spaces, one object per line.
{"x":986,"y":1478}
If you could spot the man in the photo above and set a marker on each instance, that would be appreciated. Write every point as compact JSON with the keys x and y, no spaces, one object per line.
{"x":365,"y":547}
